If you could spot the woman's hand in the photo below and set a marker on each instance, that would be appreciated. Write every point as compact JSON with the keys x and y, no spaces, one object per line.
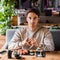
{"x":34,"y":42}
{"x":27,"y":42}
{"x":30,"y":42}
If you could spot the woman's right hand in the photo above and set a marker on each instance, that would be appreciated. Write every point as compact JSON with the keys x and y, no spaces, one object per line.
{"x":26,"y":42}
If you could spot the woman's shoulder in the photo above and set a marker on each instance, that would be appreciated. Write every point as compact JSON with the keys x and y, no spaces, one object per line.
{"x":44,"y":29}
{"x":21,"y":29}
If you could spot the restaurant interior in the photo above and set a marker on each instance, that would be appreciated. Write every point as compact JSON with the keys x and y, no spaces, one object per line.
{"x":13,"y":16}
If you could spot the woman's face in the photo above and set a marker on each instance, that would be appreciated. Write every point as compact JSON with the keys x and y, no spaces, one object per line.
{"x":32,"y":20}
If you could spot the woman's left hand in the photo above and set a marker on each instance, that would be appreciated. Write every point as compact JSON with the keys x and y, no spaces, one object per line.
{"x":33,"y":42}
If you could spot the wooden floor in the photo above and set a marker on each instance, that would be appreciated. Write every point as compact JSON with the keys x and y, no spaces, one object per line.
{"x":2,"y":40}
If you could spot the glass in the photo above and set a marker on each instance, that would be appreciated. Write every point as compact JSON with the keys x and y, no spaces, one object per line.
{"x":40,"y":51}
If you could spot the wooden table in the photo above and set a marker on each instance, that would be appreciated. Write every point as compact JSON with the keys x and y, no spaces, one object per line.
{"x":49,"y":56}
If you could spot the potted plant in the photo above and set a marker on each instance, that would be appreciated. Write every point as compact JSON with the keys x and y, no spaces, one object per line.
{"x":6,"y":11}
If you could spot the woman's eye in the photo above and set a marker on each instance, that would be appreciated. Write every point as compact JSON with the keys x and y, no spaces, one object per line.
{"x":35,"y":17}
{"x":29,"y":17}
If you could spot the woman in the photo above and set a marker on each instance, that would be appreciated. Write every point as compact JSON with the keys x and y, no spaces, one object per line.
{"x":33,"y":36}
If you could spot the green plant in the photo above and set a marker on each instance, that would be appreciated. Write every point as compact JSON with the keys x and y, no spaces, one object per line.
{"x":6,"y":11}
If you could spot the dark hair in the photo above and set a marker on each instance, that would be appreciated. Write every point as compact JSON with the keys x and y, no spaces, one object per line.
{"x":33,"y":1}
{"x":36,"y":11}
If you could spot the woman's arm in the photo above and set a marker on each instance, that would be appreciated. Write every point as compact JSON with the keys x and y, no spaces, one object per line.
{"x":48,"y":41}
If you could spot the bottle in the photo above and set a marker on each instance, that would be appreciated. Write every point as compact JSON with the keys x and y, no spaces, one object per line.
{"x":9,"y":54}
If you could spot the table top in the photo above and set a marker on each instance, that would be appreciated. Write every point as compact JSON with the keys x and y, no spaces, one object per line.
{"x":49,"y":56}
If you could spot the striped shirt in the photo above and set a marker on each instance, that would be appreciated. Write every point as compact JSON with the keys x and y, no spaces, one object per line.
{"x":41,"y":35}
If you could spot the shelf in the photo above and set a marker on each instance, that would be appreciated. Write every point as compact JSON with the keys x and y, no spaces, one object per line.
{"x":51,"y":19}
